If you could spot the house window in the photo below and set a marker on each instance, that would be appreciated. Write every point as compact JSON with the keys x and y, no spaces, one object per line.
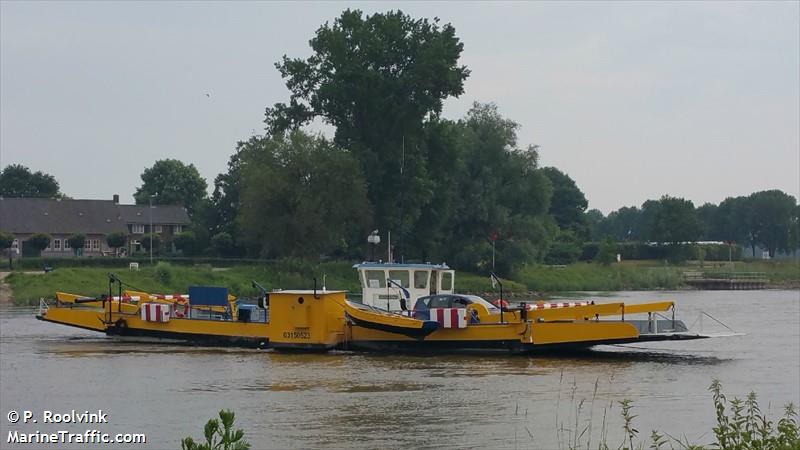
{"x":15,"y":244}
{"x":137,"y":228}
{"x":95,"y":244}
{"x":158,"y":228}
{"x":57,"y":245}
{"x":66,"y":244}
{"x":177,"y":229}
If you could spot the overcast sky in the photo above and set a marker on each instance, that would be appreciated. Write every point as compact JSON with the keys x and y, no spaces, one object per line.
{"x":633,"y":100}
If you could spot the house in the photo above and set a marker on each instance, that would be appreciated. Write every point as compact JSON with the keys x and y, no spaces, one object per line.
{"x":61,"y":218}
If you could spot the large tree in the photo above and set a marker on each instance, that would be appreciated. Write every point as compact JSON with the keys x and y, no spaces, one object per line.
{"x":671,"y":220}
{"x":770,"y":216}
{"x":302,"y":195}
{"x":568,"y":204}
{"x":378,"y":79}
{"x":18,"y":181}
{"x":624,"y":224}
{"x":502,"y":195}
{"x":223,"y":213}
{"x":171,"y":182}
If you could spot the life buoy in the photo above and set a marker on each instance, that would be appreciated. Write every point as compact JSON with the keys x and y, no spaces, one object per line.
{"x":181,"y":308}
{"x":500,"y":303}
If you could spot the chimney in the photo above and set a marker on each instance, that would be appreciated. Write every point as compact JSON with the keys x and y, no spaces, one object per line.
{"x":116,"y":199}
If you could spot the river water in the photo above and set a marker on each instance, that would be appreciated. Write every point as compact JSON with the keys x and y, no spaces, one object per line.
{"x":381,"y":401}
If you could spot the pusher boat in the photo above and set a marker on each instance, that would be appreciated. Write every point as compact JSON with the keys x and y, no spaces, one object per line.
{"x":403,"y":307}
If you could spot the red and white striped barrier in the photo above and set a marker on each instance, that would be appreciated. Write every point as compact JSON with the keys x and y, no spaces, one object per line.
{"x":155,"y":312}
{"x":170,"y":297}
{"x":127,"y":298}
{"x":535,"y":306}
{"x":450,"y":317}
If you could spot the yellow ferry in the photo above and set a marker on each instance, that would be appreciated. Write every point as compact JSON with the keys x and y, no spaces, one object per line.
{"x":403,"y":307}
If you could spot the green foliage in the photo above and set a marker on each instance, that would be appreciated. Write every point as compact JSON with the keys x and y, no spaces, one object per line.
{"x":76,"y":242}
{"x":186,"y":242}
{"x":18,"y":181}
{"x":221,"y":244}
{"x":359,"y":65}
{"x":670,"y":220}
{"x":501,"y":192}
{"x":627,"y":419}
{"x":38,"y":241}
{"x":771,"y":217}
{"x":568,"y":204}
{"x":793,"y":238}
{"x":163,"y":272}
{"x":746,"y":427}
{"x":606,"y":253}
{"x":116,"y":240}
{"x":219,"y":438}
{"x":222,"y":212}
{"x":171,"y":182}
{"x":151,"y":239}
{"x":743,"y":427}
{"x":624,"y":224}
{"x":304,"y":197}
{"x":6,"y":240}
{"x":565,"y":249}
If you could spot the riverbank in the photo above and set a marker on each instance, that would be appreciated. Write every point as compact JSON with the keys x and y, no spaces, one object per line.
{"x":5,"y":290}
{"x":528,"y":282}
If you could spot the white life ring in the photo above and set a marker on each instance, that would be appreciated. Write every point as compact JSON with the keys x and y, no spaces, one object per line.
{"x":181,"y":308}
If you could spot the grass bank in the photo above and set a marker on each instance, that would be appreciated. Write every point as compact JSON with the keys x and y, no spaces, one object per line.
{"x":27,"y":288}
{"x":644,"y":275}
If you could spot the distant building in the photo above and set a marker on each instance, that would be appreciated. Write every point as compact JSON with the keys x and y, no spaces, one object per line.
{"x":61,"y":218}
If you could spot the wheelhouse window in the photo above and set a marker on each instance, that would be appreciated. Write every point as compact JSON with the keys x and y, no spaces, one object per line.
{"x":421,"y":279}
{"x":401,"y":276}
{"x":375,"y":279}
{"x":447,"y":281}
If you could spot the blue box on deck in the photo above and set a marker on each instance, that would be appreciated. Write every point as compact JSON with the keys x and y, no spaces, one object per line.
{"x":208,"y":295}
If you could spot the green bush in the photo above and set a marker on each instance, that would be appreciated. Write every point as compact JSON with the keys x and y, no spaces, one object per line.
{"x":37,"y":243}
{"x":163,"y":272}
{"x":606,"y":253}
{"x":225,"y":438}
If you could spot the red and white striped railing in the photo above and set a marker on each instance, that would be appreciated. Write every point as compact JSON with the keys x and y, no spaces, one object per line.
{"x":536,"y":306}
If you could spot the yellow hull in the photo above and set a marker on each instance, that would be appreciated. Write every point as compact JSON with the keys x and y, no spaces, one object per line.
{"x":310,"y":320}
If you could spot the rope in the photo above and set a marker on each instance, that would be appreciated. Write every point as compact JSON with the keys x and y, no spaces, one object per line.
{"x":715,"y":320}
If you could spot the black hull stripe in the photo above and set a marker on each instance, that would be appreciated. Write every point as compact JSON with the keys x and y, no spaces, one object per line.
{"x":416,"y":333}
{"x":211,"y":340}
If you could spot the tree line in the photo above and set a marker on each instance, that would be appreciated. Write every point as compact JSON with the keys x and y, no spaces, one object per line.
{"x":768,"y":219}
{"x":458,"y":191}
